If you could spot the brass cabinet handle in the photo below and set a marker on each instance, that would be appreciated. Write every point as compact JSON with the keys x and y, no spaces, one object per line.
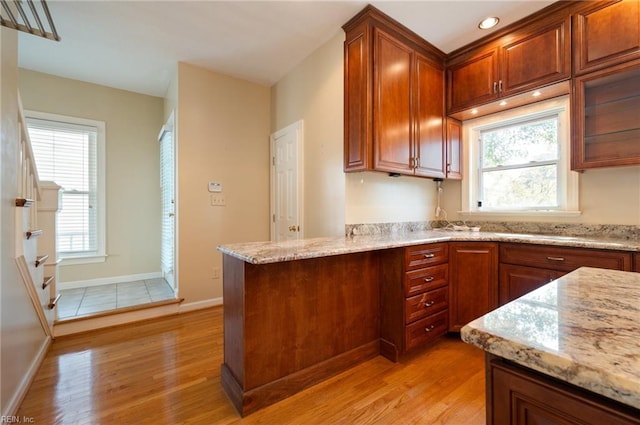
{"x":429,"y":328}
{"x":429,"y":255}
{"x":495,"y":87}
{"x":429,"y":279}
{"x":429,"y":304}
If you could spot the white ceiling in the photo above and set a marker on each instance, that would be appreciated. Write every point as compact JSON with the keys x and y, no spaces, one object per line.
{"x":135,"y":45}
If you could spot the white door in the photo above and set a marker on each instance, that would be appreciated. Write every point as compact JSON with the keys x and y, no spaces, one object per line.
{"x":168,"y":205}
{"x":286,"y":183}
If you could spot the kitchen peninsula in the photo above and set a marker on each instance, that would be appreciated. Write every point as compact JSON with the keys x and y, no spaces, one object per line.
{"x":298,"y":312}
{"x":568,"y":352}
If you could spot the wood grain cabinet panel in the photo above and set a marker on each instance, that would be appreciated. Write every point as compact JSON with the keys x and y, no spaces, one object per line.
{"x":394,"y":99}
{"x":392,"y":104}
{"x":473,"y":81}
{"x":606,"y":33}
{"x":357,"y":99}
{"x":517,"y":396}
{"x":473,"y":281}
{"x":606,"y":128}
{"x":454,"y":149}
{"x":525,"y":267}
{"x":530,"y":57}
{"x":516,"y":281}
{"x":536,"y":59}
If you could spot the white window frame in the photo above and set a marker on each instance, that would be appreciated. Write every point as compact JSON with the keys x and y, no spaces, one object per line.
{"x":568,"y":187}
{"x":100,"y":255}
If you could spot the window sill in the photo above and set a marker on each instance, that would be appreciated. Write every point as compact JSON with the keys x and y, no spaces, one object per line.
{"x":520,"y":214}
{"x":72,"y":261}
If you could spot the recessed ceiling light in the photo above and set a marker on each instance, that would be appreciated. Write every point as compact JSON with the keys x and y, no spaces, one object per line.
{"x":489,"y":23}
{"x":474,"y":111}
{"x":536,"y":93}
{"x":503,"y":103}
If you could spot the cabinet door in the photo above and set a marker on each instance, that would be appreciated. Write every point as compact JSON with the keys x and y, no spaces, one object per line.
{"x":473,"y":81}
{"x":473,"y":273}
{"x":536,"y":59}
{"x":429,"y":118}
{"x":515,"y":281}
{"x":520,"y":397}
{"x":606,"y":128}
{"x":357,"y":100}
{"x":454,"y":149}
{"x":606,"y":34}
{"x":392,"y":107}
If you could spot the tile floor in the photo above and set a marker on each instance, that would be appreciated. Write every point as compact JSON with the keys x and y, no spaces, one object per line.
{"x":96,"y":299}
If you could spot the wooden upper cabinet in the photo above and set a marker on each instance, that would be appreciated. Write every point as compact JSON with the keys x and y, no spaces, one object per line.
{"x":541,"y":57}
{"x":357,"y":99}
{"x":606,"y":33}
{"x":394,"y":99}
{"x":606,"y":124}
{"x":429,"y":146}
{"x":454,"y":149}
{"x":530,"y":57}
{"x":473,"y":81}
{"x":392,"y":134}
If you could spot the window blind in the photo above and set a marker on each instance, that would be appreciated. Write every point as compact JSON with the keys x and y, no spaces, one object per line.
{"x":66,"y":153}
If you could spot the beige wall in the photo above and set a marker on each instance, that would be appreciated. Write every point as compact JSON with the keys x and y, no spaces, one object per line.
{"x":222,"y":135}
{"x":21,"y":336}
{"x":133,"y":122}
{"x":312,"y":92}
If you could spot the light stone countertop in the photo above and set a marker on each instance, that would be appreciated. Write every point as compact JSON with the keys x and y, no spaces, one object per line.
{"x":274,"y":252}
{"x":583,"y":328}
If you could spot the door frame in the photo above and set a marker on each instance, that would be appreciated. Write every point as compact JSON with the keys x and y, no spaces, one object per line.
{"x":171,"y":126}
{"x":298,"y":128}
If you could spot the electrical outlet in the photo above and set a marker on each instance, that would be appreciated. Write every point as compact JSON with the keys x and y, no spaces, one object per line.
{"x":218,"y":200}
{"x":216,"y":273}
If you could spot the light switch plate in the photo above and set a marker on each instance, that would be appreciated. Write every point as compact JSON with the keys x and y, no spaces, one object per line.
{"x":215,"y":187}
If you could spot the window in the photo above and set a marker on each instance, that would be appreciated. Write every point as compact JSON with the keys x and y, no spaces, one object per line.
{"x":518,"y":162}
{"x":70,"y":152}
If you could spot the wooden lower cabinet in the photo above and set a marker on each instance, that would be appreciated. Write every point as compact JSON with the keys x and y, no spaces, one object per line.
{"x":515,"y":281}
{"x":525,"y":267}
{"x":473,"y":281}
{"x":414,"y":297}
{"x":518,"y":396}
{"x":636,"y":262}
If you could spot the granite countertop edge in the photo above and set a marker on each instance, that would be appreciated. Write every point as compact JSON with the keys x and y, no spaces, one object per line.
{"x":274,"y":252}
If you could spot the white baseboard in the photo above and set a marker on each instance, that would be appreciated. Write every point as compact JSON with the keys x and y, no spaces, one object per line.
{"x":198,"y":305}
{"x":21,"y":391}
{"x":108,"y":280}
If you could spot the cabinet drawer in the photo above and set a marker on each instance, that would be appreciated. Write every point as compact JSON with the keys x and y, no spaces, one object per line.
{"x":427,"y":329}
{"x":425,"y":304}
{"x":418,"y":281}
{"x":426,"y":255}
{"x":563,"y":259}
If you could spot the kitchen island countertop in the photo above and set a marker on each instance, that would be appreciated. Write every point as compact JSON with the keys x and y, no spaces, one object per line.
{"x":583,"y":328}
{"x":274,"y":252}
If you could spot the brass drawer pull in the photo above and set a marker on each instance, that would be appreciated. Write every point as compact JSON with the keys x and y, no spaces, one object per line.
{"x":429,"y":255}
{"x":555,"y":258}
{"x":429,"y":279}
{"x":429,"y":328}
{"x":429,"y":304}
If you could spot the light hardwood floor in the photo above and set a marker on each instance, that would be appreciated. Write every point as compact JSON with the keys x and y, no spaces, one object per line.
{"x":167,"y":371}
